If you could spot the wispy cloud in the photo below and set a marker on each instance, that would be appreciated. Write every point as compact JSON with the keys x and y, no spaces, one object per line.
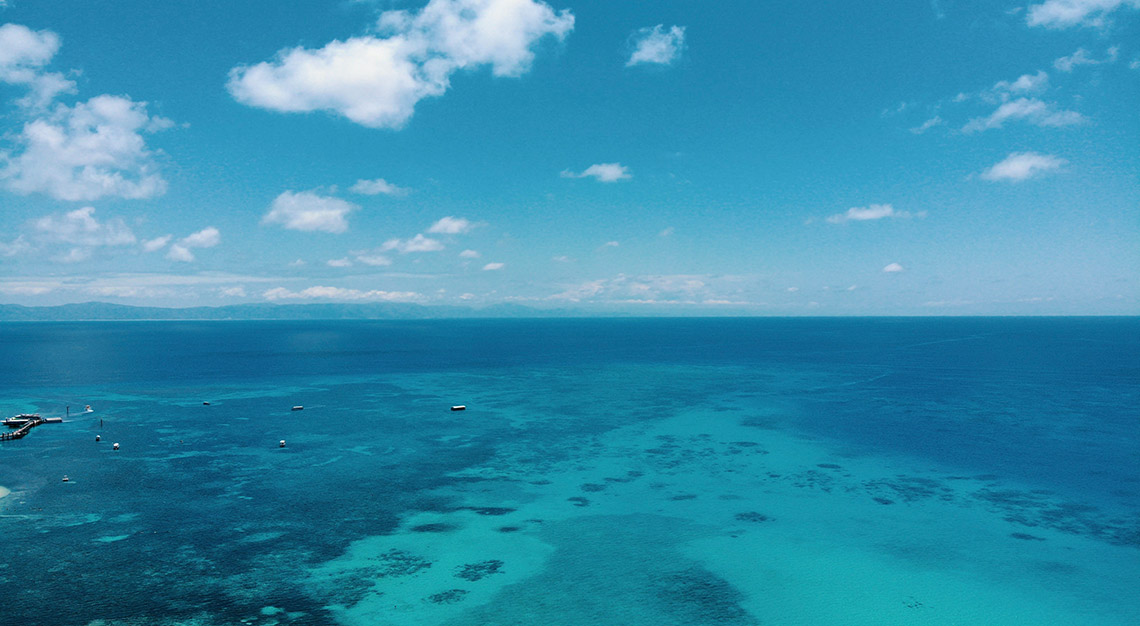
{"x":469,"y":254}
{"x":867,"y":213}
{"x":1019,"y":166}
{"x":342,"y":262}
{"x":1029,"y":110}
{"x":655,"y":45}
{"x":892,"y":268}
{"x":1068,"y":13}
{"x":451,"y":226}
{"x":80,"y":227}
{"x":377,"y":79}
{"x":341,"y":294}
{"x":419,"y":243}
{"x":927,"y":125}
{"x":309,"y":211}
{"x":206,"y":238}
{"x":494,"y":266}
{"x":376,"y":187}
{"x":602,"y":172}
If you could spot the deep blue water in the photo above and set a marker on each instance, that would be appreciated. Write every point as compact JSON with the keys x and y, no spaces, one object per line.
{"x":201,"y":518}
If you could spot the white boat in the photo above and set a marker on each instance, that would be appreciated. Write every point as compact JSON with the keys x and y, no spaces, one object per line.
{"x":298,"y":408}
{"x":20,"y":420}
{"x":459,"y":407}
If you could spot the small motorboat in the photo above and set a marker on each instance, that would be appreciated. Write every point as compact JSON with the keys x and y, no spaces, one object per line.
{"x":298,"y":408}
{"x":459,"y":407}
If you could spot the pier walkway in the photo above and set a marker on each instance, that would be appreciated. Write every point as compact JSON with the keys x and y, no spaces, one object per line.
{"x":23,"y":430}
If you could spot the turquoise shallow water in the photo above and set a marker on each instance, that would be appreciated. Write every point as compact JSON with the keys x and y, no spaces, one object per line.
{"x":857,"y":471}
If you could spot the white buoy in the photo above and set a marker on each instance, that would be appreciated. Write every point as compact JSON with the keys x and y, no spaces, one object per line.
{"x":115,"y":446}
{"x":281,"y":444}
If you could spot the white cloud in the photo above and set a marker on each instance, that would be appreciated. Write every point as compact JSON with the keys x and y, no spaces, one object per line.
{"x":23,"y":54}
{"x":232,"y":292}
{"x":376,"y":80}
{"x":419,"y":243}
{"x":308,"y":211}
{"x":469,"y":254}
{"x":339,"y":293}
{"x":611,"y":244}
{"x":792,"y":289}
{"x":345,"y":262}
{"x":868,"y":213}
{"x":19,"y":245}
{"x":656,"y":45}
{"x":1023,"y":85}
{"x":178,"y":252}
{"x":79,"y":227}
{"x":1019,"y":166}
{"x":662,"y":289}
{"x":1080,"y":57}
{"x":603,"y":172}
{"x":451,"y":226}
{"x":206,"y":238}
{"x":893,"y":267}
{"x":927,"y":125}
{"x":377,"y":187}
{"x":1029,"y":110}
{"x":156,"y":244}
{"x":667,"y":232}
{"x":562,"y":259}
{"x":1068,"y":13}
{"x":85,"y":152}
{"x":374,"y":260}
{"x":494,"y":266}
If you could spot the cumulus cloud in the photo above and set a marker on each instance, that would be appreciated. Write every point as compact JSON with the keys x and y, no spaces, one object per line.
{"x":376,"y":187}
{"x":376,"y":80}
{"x":179,"y":252}
{"x":374,"y":260}
{"x":19,"y":245}
{"x":87,"y":151}
{"x":232,"y":292}
{"x":656,"y":45}
{"x":1029,"y":110}
{"x":23,"y":55}
{"x":1024,"y":84}
{"x":156,"y":244}
{"x":309,"y":211}
{"x":494,"y":266}
{"x":345,"y":262}
{"x":602,"y":172}
{"x":206,"y":238}
{"x":892,"y":268}
{"x":927,"y":125}
{"x":1019,"y":166}
{"x":419,"y":243}
{"x":339,"y":293}
{"x":469,"y":254}
{"x":80,"y":227}
{"x":451,"y":226}
{"x":867,"y":213}
{"x":1069,"y":13}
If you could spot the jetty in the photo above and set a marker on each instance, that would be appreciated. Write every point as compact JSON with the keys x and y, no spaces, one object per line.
{"x":19,"y":433}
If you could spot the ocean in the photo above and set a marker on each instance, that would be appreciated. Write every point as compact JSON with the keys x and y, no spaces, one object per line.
{"x":847,"y":471}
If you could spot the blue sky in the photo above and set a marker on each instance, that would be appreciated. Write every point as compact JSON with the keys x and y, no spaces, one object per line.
{"x":757,"y":158}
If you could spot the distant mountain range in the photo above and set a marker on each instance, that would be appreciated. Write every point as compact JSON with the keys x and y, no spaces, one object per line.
{"x":103,"y":311}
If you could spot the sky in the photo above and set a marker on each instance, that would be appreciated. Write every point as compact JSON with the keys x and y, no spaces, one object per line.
{"x":930,"y":157}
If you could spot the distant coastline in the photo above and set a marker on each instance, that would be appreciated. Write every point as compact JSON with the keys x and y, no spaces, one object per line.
{"x":105,"y":312}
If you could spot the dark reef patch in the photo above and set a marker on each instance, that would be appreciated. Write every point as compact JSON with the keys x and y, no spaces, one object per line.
{"x":752,"y":516}
{"x":433,"y":528}
{"x":451,"y":596}
{"x":684,"y":496}
{"x":828,"y":466}
{"x":491,"y":510}
{"x":509,"y":529}
{"x":578,"y":501}
{"x":882,"y":500}
{"x":1026,"y":537}
{"x":480,"y":570}
{"x":592,"y":487}
{"x":699,"y":596}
